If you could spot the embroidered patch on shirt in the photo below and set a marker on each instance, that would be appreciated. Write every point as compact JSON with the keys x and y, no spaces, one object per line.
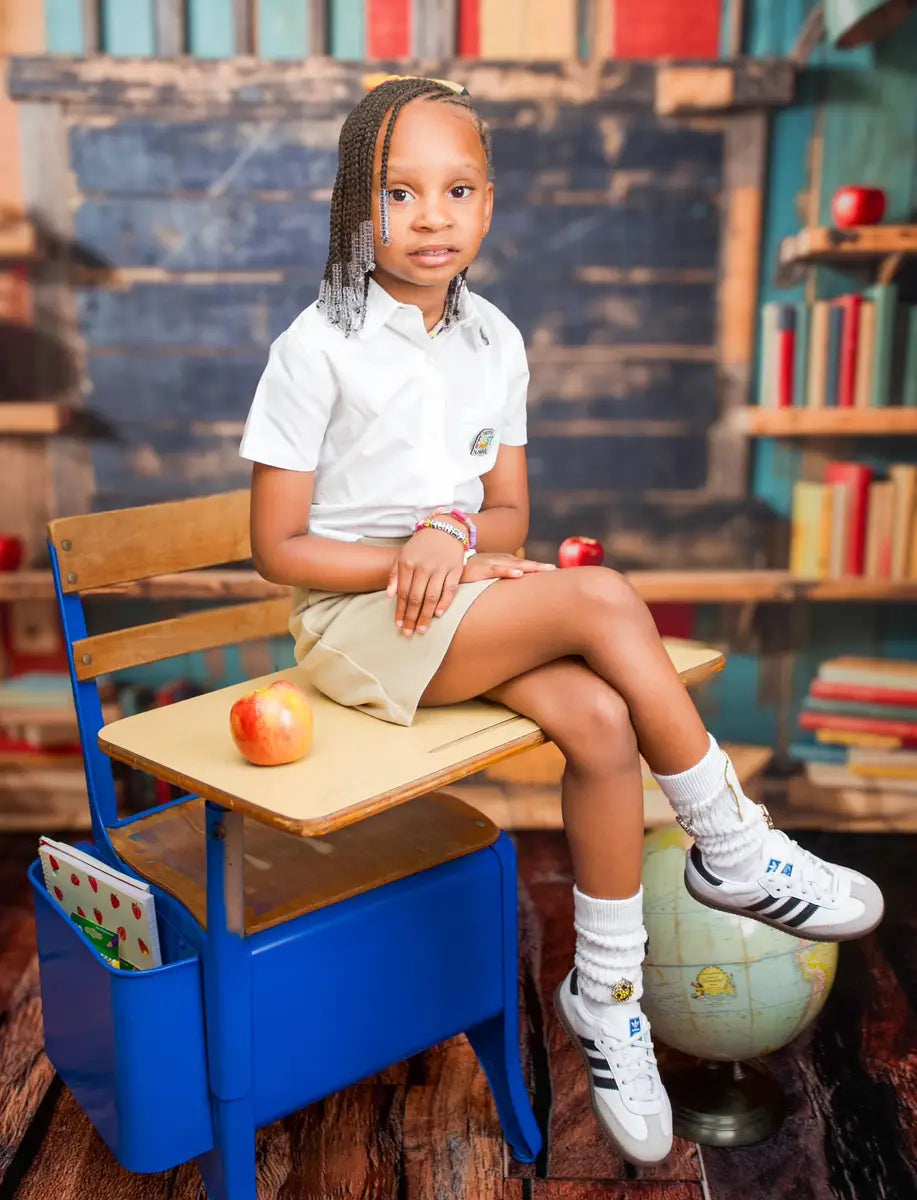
{"x":483,"y":442}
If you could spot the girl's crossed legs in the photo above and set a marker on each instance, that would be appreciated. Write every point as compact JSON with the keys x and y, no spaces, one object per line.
{"x":578,"y":652}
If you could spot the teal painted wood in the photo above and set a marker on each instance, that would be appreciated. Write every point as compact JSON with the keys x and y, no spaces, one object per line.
{"x":347,"y":29}
{"x":283,"y":28}
{"x":129,"y":28}
{"x":764,"y":28}
{"x":870,"y":115}
{"x":64,"y":27}
{"x":211,"y":29}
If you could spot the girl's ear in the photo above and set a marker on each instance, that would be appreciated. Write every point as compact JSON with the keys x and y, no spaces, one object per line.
{"x":488,"y":207}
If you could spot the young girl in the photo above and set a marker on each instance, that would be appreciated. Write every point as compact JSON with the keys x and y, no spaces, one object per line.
{"x":389,"y":489}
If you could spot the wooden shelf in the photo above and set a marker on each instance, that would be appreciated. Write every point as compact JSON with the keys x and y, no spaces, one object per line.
{"x":40,"y":417}
{"x":656,"y":587}
{"x":828,"y":422}
{"x":823,"y":244}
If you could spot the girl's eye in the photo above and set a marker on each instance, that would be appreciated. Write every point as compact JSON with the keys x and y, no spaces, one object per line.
{"x":461,"y":190}
{"x":399,"y":195}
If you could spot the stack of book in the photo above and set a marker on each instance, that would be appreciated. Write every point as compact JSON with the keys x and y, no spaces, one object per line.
{"x":854,"y":525}
{"x":856,"y":351}
{"x":862,"y":713}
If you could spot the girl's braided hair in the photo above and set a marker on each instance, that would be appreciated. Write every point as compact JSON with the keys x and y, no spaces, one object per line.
{"x":342,"y":294}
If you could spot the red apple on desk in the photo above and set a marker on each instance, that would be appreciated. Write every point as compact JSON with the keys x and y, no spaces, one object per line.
{"x":273,"y":724}
{"x":580,"y":552}
{"x":857,"y":206}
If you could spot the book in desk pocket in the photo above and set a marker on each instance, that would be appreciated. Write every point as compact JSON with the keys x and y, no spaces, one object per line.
{"x":107,"y":901}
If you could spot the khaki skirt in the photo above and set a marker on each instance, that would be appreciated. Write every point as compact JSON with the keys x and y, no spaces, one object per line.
{"x":354,"y":653}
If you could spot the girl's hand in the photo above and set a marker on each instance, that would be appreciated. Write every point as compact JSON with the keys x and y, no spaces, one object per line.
{"x":424,"y":577}
{"x":490,"y":566}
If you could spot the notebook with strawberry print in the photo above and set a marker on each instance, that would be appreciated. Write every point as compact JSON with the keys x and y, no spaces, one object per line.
{"x":93,"y":893}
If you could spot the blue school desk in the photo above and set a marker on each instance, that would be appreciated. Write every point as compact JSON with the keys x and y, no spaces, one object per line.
{"x":363,"y":916}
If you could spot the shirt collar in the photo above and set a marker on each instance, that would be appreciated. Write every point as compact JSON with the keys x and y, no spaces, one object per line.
{"x":381,"y":308}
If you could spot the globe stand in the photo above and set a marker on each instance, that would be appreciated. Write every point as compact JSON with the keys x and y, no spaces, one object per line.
{"x":724,"y":1103}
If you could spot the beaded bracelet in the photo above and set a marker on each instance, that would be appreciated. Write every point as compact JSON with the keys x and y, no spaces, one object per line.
{"x":464,"y":518}
{"x":445,"y":527}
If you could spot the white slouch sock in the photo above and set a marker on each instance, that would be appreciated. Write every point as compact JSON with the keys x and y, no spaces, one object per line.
{"x":728,"y":827}
{"x":610,"y":945}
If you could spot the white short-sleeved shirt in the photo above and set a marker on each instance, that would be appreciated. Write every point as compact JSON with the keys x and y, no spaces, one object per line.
{"x":394,"y":423}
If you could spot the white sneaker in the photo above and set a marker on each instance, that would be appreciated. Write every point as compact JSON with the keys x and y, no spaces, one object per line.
{"x":627,"y":1095}
{"x":794,"y":891}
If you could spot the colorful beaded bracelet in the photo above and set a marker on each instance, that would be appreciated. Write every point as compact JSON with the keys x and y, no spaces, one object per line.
{"x":445,"y":527}
{"x":465,"y":520}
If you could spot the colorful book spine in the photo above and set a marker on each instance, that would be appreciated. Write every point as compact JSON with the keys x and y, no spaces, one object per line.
{"x":785,"y":354}
{"x":863,"y":693}
{"x":816,"y":381}
{"x":885,"y":298}
{"x":857,"y":478}
{"x":816,"y":752}
{"x":801,"y":361}
{"x":880,"y":515}
{"x":853,"y":708}
{"x":852,"y":737}
{"x":909,"y":387}
{"x":833,"y":366}
{"x":846,"y":387}
{"x":903,"y":478}
{"x":875,"y":672}
{"x":866,"y":349}
{"x":810,"y":530}
{"x":767,"y":375}
{"x":905,"y":730}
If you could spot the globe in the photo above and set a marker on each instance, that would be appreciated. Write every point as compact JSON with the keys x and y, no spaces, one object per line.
{"x":719,"y":986}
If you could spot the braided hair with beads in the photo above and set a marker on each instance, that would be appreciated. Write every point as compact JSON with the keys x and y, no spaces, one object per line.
{"x":342,"y":294}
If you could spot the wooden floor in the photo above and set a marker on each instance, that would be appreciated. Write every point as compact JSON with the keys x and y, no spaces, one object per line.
{"x":427,"y":1130}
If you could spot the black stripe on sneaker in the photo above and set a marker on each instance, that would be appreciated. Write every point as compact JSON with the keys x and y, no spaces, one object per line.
{"x":698,"y":862}
{"x":604,"y":1083}
{"x":760,"y":905}
{"x":803,"y":915}
{"x":587,"y":1044}
{"x":784,"y":908}
{"x":598,"y":1062}
{"x":574,"y":983}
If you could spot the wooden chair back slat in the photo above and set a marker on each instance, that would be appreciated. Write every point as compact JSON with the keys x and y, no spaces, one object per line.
{"x":140,"y":644}
{"x":98,"y":549}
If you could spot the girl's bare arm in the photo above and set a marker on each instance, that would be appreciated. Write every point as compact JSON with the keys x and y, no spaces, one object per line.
{"x":285,"y":552}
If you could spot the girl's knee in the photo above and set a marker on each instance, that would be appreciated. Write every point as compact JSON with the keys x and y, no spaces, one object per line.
{"x":593,"y":723}
{"x":604,"y":586}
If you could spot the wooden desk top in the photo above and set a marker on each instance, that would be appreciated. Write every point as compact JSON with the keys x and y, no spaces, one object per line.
{"x":358,"y":765}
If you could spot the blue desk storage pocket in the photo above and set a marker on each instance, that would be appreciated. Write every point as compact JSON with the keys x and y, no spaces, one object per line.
{"x":128,"y":1044}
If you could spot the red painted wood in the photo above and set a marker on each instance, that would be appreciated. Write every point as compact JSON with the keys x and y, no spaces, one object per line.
{"x":469,"y":28}
{"x":656,"y":28}
{"x":389,"y":28}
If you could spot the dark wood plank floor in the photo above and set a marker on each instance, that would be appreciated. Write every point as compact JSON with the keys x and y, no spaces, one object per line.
{"x":427,"y":1130}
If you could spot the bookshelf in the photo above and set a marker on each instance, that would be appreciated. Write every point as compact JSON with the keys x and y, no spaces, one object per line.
{"x":824,"y":244}
{"x":656,"y":587}
{"x":829,"y":422}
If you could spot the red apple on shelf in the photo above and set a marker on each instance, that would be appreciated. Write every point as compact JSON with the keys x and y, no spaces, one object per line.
{"x":10,"y":551}
{"x":852,"y":205}
{"x":273,"y":724}
{"x":580,"y":552}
